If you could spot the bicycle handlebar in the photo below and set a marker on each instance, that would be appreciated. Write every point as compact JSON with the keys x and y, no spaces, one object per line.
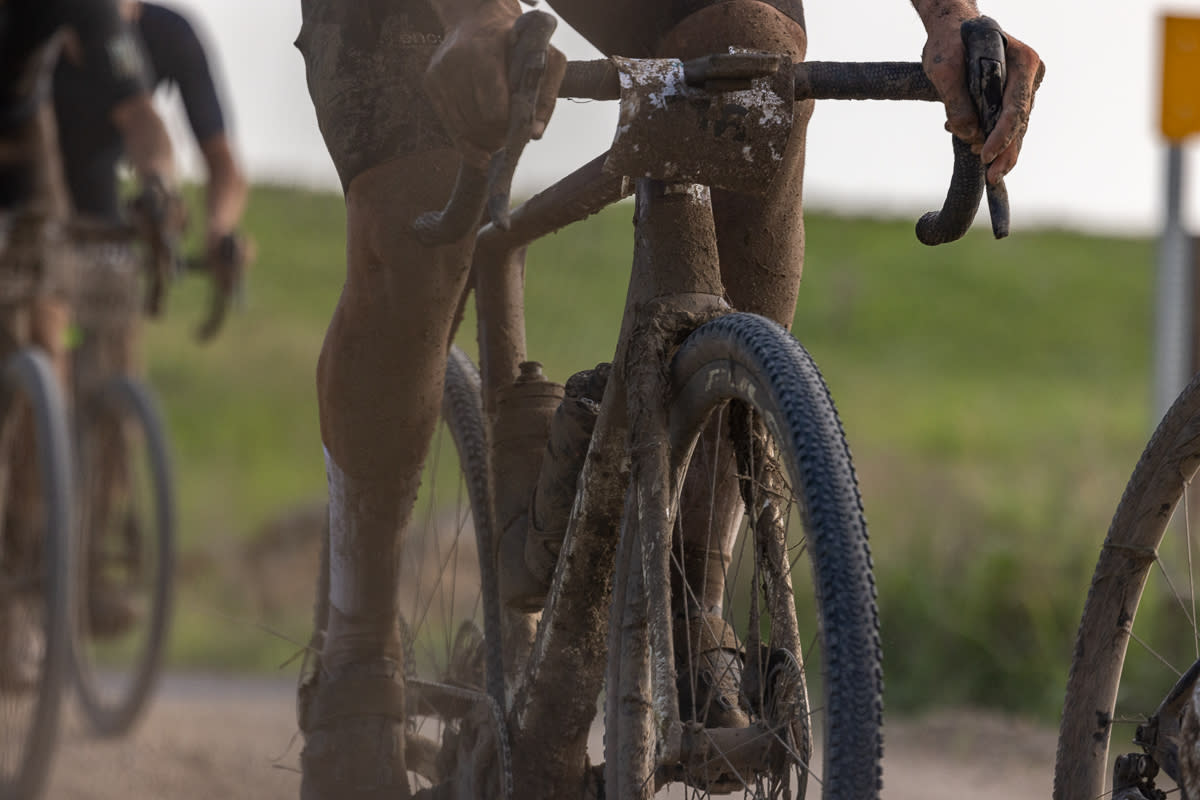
{"x":233,"y":256}
{"x":150,"y":211}
{"x":600,"y":80}
{"x":986,"y":74}
{"x":88,"y":230}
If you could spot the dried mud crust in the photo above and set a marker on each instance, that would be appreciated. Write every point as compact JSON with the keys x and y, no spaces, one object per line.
{"x":213,"y":737}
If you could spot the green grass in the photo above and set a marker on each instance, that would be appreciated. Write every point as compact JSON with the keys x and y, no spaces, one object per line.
{"x":995,"y":396}
{"x":242,"y":413}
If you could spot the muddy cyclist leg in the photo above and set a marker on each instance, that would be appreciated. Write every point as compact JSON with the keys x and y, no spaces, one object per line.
{"x":43,"y":322}
{"x":108,"y":346}
{"x":379,"y":378}
{"x":761,"y":245}
{"x":47,"y":319}
{"x":19,"y":668}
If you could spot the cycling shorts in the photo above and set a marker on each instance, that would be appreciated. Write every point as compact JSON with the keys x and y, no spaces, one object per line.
{"x":364,"y":60}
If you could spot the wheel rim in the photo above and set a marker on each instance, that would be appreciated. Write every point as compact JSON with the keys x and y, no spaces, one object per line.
{"x":1164,"y":645}
{"x":1138,"y":633}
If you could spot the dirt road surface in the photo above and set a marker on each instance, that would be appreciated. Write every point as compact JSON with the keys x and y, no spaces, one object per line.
{"x":215,"y":738}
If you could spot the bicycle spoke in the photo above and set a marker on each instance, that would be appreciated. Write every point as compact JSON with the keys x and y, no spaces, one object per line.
{"x":1161,"y":659}
{"x":757,"y":583}
{"x":722,"y":758}
{"x":766,"y":506}
{"x":801,"y":552}
{"x":437,"y":593}
{"x":690,"y":599}
{"x":442,"y":562}
{"x":439,"y":586}
{"x":725,"y":757}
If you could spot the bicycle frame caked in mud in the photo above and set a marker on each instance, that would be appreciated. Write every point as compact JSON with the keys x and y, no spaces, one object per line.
{"x":678,"y":142}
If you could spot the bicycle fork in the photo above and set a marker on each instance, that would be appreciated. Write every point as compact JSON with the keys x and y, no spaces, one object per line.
{"x":675,"y":286}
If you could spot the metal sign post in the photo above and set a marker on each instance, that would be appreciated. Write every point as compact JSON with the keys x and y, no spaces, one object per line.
{"x":1174,"y":300}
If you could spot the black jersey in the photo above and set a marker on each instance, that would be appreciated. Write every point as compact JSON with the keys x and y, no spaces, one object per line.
{"x":106,"y":48}
{"x":91,"y":145}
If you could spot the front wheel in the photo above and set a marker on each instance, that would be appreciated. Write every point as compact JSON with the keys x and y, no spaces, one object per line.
{"x":127,"y":553}
{"x":36,"y":581}
{"x":777,"y":666}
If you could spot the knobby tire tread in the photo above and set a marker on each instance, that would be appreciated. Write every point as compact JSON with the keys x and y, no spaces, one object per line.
{"x":793,"y":399}
{"x":462,"y":409}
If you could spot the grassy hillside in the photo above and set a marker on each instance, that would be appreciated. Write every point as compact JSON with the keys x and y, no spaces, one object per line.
{"x":995,"y":396}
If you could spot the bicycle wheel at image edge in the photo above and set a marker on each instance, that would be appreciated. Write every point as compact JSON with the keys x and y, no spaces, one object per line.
{"x":799,"y":501}
{"x":1138,"y":642}
{"x":126,"y":553}
{"x":36,"y":580}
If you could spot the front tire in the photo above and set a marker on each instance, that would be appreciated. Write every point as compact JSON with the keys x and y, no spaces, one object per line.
{"x":800,"y":632}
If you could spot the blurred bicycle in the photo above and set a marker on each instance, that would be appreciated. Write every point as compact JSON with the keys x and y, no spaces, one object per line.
{"x":126,"y":494}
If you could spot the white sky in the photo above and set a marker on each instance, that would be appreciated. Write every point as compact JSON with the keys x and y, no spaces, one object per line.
{"x":1092,"y":159}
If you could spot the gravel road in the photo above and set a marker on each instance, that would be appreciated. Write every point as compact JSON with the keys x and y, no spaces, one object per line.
{"x":216,"y":738}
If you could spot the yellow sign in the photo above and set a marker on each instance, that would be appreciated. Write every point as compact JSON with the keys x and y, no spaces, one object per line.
{"x":1181,"y":77}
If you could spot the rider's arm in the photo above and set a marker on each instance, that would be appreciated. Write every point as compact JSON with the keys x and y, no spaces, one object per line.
{"x":179,"y":57}
{"x":145,"y":136}
{"x":226,"y":199}
{"x":944,"y":58}
{"x":104,"y":44}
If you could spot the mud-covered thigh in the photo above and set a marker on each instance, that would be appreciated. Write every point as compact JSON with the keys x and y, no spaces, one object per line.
{"x":364,"y":60}
{"x":635,"y":28}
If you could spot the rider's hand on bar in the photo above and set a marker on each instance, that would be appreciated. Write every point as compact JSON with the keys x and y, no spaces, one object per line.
{"x":943,"y":59}
{"x":467,"y":78}
{"x":159,"y":208}
{"x":227,"y":257}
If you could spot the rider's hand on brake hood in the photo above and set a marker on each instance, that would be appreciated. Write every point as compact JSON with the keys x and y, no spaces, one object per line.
{"x":943,"y":58}
{"x":467,"y":78}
